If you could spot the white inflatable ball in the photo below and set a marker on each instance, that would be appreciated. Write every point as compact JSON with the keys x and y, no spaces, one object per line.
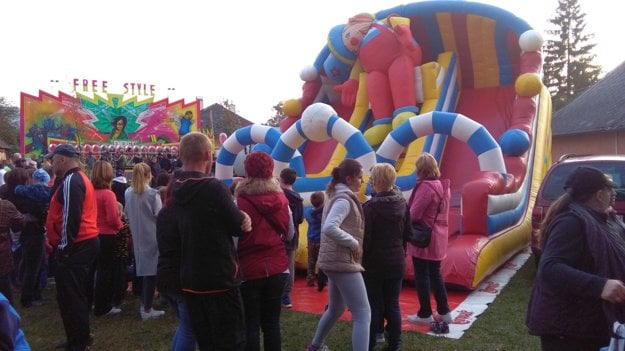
{"x":315,"y":119}
{"x":308,"y":74}
{"x":531,"y":40}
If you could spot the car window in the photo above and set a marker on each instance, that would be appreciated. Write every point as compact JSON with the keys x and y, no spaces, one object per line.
{"x":554,"y":183}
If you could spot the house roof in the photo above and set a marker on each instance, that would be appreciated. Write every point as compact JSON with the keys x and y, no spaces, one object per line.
{"x":4,"y":145}
{"x":601,"y":108}
{"x":223,"y":120}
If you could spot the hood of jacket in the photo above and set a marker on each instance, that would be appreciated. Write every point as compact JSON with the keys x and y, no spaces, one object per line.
{"x":187,"y":187}
{"x":390,"y":204}
{"x":259,"y":191}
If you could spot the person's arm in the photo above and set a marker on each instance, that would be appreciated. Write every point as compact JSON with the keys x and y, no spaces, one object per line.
{"x":233,"y":217}
{"x":16,"y":219}
{"x":73,"y":197}
{"x":369,"y":219}
{"x":421,"y":202}
{"x":331,"y":227}
{"x":564,"y":249}
{"x":113,"y":216}
{"x":290,"y":233}
{"x":157,"y":203}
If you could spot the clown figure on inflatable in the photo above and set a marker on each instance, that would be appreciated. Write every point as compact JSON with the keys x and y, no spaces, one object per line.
{"x":386,"y":51}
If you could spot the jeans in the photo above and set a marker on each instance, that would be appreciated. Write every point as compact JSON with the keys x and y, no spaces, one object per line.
{"x":184,"y":339}
{"x":313,"y":255}
{"x":288,"y":284}
{"x":383,"y":297}
{"x":428,"y":275}
{"x":217,"y":319}
{"x":148,"y":287}
{"x":71,"y":291}
{"x":346,"y":289}
{"x":262,"y":302}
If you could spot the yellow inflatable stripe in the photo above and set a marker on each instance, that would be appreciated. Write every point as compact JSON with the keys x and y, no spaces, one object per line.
{"x":446,"y":29}
{"x":498,"y":250}
{"x":358,"y":115}
{"x":481,"y":34}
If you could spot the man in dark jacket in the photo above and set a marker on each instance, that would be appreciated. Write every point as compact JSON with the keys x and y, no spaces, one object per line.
{"x":296,"y":204}
{"x":207,"y":219}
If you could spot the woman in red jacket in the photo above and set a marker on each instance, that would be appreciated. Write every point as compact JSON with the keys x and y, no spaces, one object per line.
{"x":109,"y":267}
{"x":262,"y":254}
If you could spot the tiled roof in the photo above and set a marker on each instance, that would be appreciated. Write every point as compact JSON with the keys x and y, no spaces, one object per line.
{"x":601,"y":108}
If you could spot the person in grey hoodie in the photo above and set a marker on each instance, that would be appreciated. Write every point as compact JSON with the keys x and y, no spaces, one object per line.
{"x":340,"y":256}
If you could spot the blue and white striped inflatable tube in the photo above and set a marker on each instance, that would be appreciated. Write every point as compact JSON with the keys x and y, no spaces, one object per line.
{"x":253,"y":134}
{"x":320,"y":122}
{"x":478,"y":138}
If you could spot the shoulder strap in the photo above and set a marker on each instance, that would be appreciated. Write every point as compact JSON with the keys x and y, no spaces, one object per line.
{"x":440,"y":202}
{"x":269,"y":219}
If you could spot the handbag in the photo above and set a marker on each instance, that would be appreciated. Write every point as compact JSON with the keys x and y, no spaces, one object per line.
{"x":421,"y":235}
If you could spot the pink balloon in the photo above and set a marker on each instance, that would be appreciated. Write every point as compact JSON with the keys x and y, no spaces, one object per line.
{"x":222,"y":137}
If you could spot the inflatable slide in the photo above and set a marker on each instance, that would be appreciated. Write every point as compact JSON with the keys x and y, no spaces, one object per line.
{"x":457,"y":79}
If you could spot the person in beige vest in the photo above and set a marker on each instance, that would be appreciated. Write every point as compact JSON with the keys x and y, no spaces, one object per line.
{"x":340,"y":256}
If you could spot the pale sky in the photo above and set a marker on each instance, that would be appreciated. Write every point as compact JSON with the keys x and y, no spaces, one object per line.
{"x":250,"y":52}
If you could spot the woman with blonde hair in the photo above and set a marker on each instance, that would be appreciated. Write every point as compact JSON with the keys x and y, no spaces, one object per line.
{"x":109,"y":267}
{"x":429,"y":203}
{"x":142,"y":206}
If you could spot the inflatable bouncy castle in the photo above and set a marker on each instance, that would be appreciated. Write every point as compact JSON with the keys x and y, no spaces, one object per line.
{"x":457,"y":79}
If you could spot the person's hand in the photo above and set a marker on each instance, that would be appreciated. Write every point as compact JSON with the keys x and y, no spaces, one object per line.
{"x":357,"y":253}
{"x":348,"y":90}
{"x":613,"y":291}
{"x":246,"y":226}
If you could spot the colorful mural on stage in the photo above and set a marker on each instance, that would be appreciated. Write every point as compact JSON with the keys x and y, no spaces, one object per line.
{"x":104,"y":120}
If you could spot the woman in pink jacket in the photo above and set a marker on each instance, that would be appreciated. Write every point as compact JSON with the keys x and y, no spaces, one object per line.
{"x":429,"y":203}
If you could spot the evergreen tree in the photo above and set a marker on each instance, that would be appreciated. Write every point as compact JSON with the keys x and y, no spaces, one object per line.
{"x":9,"y":123}
{"x":570,"y":66}
{"x":278,"y":116}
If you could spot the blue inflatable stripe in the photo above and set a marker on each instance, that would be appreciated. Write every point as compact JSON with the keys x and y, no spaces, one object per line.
{"x":382,"y":159}
{"x":404,"y":134}
{"x":300,"y":131}
{"x":262,"y":147}
{"x":506,"y":219}
{"x":481,"y":141}
{"x":446,"y":83}
{"x":454,"y":97}
{"x":226,"y":157}
{"x":282,"y":152}
{"x":434,"y":35}
{"x":272,"y":136}
{"x":443,"y":122}
{"x":333,"y":119}
{"x":323,"y":54}
{"x":311,"y":184}
{"x":357,"y":145}
{"x":297,"y":163}
{"x":407,"y":182}
{"x":427,"y":145}
{"x":244,"y":136}
{"x":503,"y":55}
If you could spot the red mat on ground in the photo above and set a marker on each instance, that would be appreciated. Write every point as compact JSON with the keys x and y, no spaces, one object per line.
{"x":308,"y":299}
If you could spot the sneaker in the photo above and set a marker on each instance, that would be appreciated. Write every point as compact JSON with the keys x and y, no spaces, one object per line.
{"x":323,"y":347}
{"x":379,"y":338}
{"x":443,"y":317}
{"x":286,"y":301}
{"x":414,"y":318}
{"x":113,"y":311}
{"x":439,"y":328}
{"x":151,"y":314}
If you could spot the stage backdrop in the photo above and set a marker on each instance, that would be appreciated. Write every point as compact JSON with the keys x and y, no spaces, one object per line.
{"x":103,"y":120}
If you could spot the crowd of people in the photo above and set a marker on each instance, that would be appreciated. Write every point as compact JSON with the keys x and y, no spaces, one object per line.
{"x":223,"y":258}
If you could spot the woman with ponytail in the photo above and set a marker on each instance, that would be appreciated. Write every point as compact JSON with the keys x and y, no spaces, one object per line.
{"x":578,"y":291}
{"x":142,"y":206}
{"x":340,"y":256}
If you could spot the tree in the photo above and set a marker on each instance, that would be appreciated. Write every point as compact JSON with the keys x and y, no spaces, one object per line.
{"x":231,"y":120}
{"x":9,"y":123}
{"x":277,"y":118}
{"x":569,"y":62}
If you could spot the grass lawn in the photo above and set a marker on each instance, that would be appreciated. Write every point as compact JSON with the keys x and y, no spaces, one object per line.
{"x":501,"y":327}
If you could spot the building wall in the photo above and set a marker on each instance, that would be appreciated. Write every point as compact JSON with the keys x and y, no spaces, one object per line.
{"x":610,"y":143}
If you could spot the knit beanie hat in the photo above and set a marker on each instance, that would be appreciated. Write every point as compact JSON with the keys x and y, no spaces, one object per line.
{"x":40,"y":176}
{"x":258,"y":164}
